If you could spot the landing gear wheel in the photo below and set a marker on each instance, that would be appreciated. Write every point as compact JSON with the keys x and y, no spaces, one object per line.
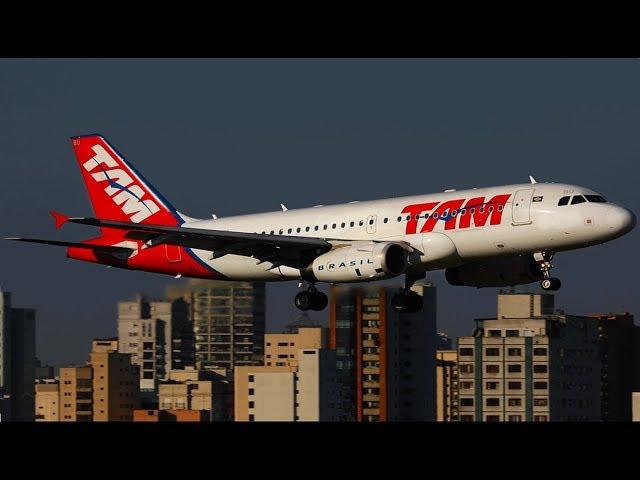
{"x":311,"y":300}
{"x":550,"y":283}
{"x":304,"y":300}
{"x":407,"y":302}
{"x":319,"y":301}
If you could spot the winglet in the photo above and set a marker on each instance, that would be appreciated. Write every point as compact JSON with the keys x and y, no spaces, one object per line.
{"x":533,"y":180}
{"x":59,"y":218}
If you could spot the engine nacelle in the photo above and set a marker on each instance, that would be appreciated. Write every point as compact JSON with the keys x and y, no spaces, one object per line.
{"x":498,"y":272}
{"x":361,"y":263}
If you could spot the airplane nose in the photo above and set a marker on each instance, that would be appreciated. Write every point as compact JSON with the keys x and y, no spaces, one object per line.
{"x":621,"y":221}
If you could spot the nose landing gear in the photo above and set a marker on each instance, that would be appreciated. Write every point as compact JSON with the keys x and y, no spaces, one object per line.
{"x":311,"y":299}
{"x":544,"y":263}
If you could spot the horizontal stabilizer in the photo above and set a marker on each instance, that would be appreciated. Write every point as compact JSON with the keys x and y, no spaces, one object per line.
{"x":59,"y":218}
{"x":90,"y":246}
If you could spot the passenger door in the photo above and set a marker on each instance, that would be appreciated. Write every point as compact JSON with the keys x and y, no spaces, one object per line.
{"x":520,"y":213}
{"x":371,"y":223}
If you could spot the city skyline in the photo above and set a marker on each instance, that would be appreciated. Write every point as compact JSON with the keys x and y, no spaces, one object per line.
{"x":458,"y":123}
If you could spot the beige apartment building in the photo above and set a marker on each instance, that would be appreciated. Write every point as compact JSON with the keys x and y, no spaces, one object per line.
{"x":298,"y":382}
{"x":281,"y":349}
{"x":76,"y":394}
{"x":115,"y":383}
{"x":158,"y":335}
{"x":635,"y":406}
{"x":208,"y":391}
{"x":47,"y":401}
{"x":530,"y":364}
{"x":446,"y":385}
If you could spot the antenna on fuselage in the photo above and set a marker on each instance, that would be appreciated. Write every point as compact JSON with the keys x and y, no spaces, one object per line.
{"x":533,"y":180}
{"x":284,"y":208}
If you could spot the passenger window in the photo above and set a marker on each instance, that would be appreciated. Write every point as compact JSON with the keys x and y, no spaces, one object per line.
{"x":360,"y":223}
{"x":352,"y":224}
{"x":408,"y":217}
{"x":289,"y":231}
{"x":500,"y":208}
{"x":333,"y":226}
{"x":325,"y":227}
{"x":316,"y":228}
{"x":399,"y":219}
{"x":386,"y":220}
{"x":577,"y":199}
{"x":595,"y":199}
{"x":563,"y":201}
{"x":306,"y":229}
{"x":371,"y":222}
{"x":298,"y":229}
{"x":342,"y":225}
{"x":271,"y":232}
{"x":280,"y":232}
{"x":417,"y":217}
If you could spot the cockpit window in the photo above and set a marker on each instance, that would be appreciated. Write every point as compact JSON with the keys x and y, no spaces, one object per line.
{"x":595,"y":199}
{"x":564,"y":201}
{"x":577,"y":199}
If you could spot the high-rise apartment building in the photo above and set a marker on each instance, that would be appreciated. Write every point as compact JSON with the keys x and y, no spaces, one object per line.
{"x":17,"y":361}
{"x":446,"y":385}
{"x":76,"y":394}
{"x":530,"y":364}
{"x":619,"y":340}
{"x":228,"y":321}
{"x":385,"y":359}
{"x":635,"y":406}
{"x":297,"y":382}
{"x":115,"y":382}
{"x":158,"y":335}
{"x":47,"y":401}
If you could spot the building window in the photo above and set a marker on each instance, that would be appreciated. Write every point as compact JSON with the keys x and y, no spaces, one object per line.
{"x":493,"y":418}
{"x":466,"y":352}
{"x":491,"y":385}
{"x":251,"y":391}
{"x":540,"y":402}
{"x":514,"y":402}
{"x":540,"y":418}
{"x":466,"y":368}
{"x":466,"y":402}
{"x":512,"y":333}
{"x":492,"y":402}
{"x":466,"y":385}
{"x":539,"y":385}
{"x":514,"y":352}
{"x":495,"y":333}
{"x":514,"y":368}
{"x":251,"y":418}
{"x":252,"y":404}
{"x":492,"y":368}
{"x":514,"y":385}
{"x":492,"y":352}
{"x":539,"y":369}
{"x":540,"y":352}
{"x":251,"y":378}
{"x":515,"y":418}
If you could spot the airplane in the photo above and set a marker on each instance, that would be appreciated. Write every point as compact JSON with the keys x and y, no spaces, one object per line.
{"x":482,"y":237}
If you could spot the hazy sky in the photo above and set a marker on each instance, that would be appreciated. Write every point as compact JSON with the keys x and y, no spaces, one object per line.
{"x":240,"y":136}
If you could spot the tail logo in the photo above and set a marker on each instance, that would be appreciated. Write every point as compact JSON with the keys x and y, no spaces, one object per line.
{"x":120,"y":186}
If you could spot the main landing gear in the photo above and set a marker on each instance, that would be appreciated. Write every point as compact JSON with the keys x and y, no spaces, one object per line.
{"x":408,"y":301}
{"x":544,"y":262}
{"x":311,"y":299}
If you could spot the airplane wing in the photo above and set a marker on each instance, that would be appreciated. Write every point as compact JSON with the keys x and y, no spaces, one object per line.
{"x":90,"y":246}
{"x":293,"y":251}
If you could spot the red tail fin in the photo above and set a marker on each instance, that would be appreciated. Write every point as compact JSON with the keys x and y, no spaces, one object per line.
{"x":116,"y":190}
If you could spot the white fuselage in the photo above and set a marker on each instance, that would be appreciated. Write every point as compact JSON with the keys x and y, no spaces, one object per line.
{"x":530,"y":220}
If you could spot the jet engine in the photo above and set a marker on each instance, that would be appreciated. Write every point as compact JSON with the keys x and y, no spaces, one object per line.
{"x":498,"y":272}
{"x":360,"y":263}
